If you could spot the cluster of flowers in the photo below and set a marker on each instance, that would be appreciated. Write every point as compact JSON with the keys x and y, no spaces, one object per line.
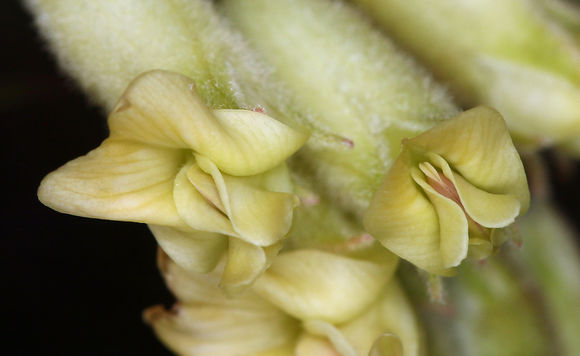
{"x":281,"y":228}
{"x":217,"y":195}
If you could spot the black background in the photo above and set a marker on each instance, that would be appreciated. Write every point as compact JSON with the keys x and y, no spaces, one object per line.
{"x":70,"y":285}
{"x":75,"y":286}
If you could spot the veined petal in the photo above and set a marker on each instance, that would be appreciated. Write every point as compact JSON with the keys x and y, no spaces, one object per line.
{"x":245,"y":263}
{"x":201,"y":288}
{"x":433,"y":218}
{"x":311,"y":284}
{"x":403,"y":219}
{"x":221,"y":330}
{"x":263,"y":142}
{"x":119,"y":180}
{"x":162,"y":108}
{"x":336,"y":338}
{"x":478,"y":146}
{"x":390,"y":323}
{"x":487,"y":209}
{"x":196,"y":211}
{"x":205,"y":185}
{"x":196,"y":252}
{"x":259,"y":216}
{"x":453,"y":228}
{"x":208,"y":323}
{"x":387,"y":327}
{"x":276,"y":179}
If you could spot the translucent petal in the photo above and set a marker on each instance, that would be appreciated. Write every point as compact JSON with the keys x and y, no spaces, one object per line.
{"x":259,"y":216}
{"x":245,"y":263}
{"x":453,"y":228}
{"x":119,"y":180}
{"x":403,"y":219}
{"x":162,"y":108}
{"x":480,"y":248}
{"x":478,"y":146}
{"x":487,"y":209}
{"x":196,"y":252}
{"x":311,"y":284}
{"x":194,"y":209}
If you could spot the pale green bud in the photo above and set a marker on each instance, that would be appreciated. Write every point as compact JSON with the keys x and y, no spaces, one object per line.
{"x":507,"y":54}
{"x":358,"y":93}
{"x":104,"y":45}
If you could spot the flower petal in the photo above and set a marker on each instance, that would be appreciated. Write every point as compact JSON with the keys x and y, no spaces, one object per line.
{"x":119,"y":180}
{"x":453,"y":228}
{"x":388,"y":323}
{"x":205,"y":185}
{"x":311,"y":284}
{"x":196,"y":211}
{"x":308,"y":345}
{"x":403,"y":219}
{"x":259,"y":216}
{"x":478,"y":146}
{"x":162,"y":108}
{"x":263,"y":142}
{"x":337,"y":339}
{"x":487,"y":209}
{"x":208,"y":323}
{"x":201,"y":288}
{"x":480,"y":248}
{"x":221,"y":330}
{"x":245,"y":263}
{"x":387,"y":345}
{"x":196,"y":252}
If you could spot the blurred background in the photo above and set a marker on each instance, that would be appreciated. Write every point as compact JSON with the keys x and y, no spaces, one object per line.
{"x":75,"y":286}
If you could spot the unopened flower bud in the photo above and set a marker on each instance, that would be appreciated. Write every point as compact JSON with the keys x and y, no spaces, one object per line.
{"x":512,"y":55}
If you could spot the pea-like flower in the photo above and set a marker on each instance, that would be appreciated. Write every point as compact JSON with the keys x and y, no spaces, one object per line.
{"x":452,"y":190}
{"x":205,"y":181}
{"x":308,"y":303}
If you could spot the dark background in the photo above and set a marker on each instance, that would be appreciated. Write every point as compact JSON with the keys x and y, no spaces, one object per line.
{"x":70,"y":285}
{"x":75,"y":286}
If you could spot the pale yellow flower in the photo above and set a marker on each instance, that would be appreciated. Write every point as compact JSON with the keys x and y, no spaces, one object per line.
{"x":451,"y":191}
{"x":308,"y":303}
{"x":205,"y":181}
